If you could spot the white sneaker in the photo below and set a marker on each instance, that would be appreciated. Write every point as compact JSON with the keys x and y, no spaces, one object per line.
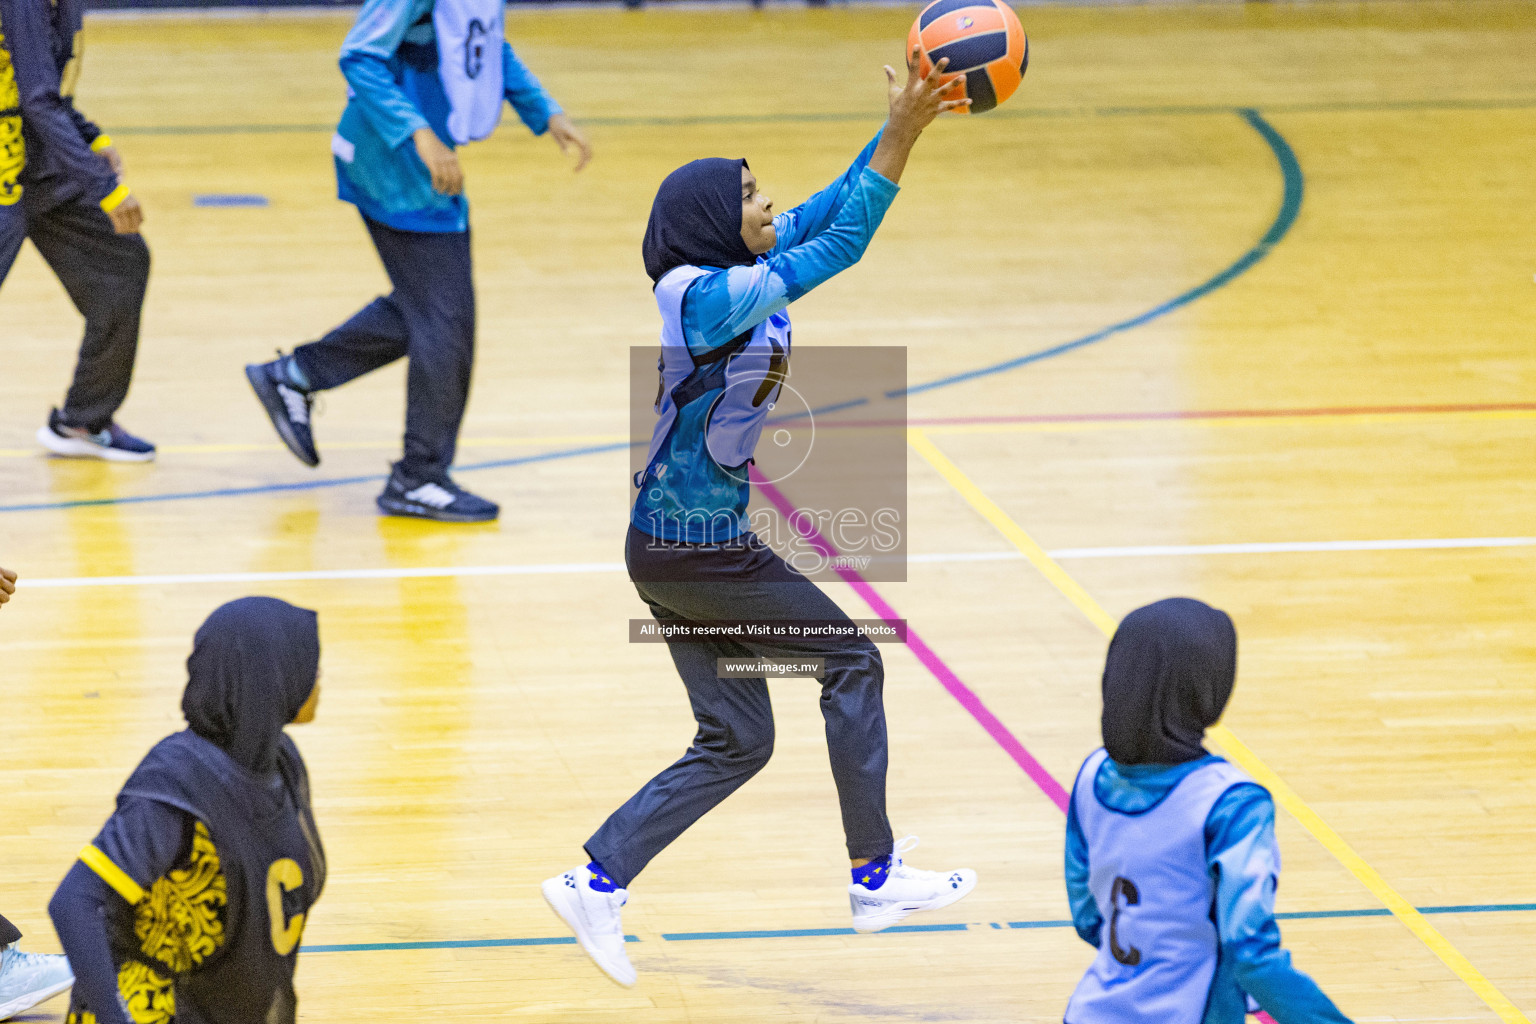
{"x":27,"y":979}
{"x":114,"y":444}
{"x":906,"y":891}
{"x":594,"y":917}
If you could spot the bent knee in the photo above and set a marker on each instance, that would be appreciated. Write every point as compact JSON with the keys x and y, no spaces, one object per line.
{"x":741,"y":750}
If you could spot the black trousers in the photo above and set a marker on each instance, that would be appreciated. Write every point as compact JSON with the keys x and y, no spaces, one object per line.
{"x":696,"y":583}
{"x":430,"y":318}
{"x":106,"y":275}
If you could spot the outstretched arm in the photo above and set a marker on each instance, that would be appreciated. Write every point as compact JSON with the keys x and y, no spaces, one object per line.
{"x":722,"y":305}
{"x":812,"y":217}
{"x":1243,"y":854}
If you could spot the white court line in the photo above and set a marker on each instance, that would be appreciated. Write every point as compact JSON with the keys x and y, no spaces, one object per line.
{"x":1153,"y":550}
{"x":581,"y":568}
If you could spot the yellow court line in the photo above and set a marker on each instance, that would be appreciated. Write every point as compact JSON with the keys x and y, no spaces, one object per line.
{"x":1081,"y":426}
{"x":1234,"y":748}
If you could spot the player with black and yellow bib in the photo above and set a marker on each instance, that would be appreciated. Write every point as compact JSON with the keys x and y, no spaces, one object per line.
{"x":61,"y":185}
{"x":189,"y":905}
{"x":13,"y":156}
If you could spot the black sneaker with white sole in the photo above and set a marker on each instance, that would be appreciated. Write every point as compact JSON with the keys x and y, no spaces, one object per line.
{"x":287,"y":407}
{"x":440,"y":499}
{"x":112,"y":442}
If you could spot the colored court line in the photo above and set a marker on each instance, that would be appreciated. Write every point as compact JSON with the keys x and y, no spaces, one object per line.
{"x":804,"y":933}
{"x":1294,"y":187}
{"x":966,"y":697}
{"x":1235,"y":748}
{"x":1290,"y":206}
{"x":936,"y":425}
{"x":229,"y":200}
{"x":937,"y":558}
{"x":302,"y":485}
{"x":871,"y":116}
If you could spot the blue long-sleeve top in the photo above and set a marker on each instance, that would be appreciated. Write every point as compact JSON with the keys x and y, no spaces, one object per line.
{"x":817,"y":240}
{"x":1243,"y":858}
{"x":60,"y":163}
{"x":390,"y":62}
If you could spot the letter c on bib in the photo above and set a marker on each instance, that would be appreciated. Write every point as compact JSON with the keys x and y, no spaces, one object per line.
{"x":1123,"y":888}
{"x":284,"y":875}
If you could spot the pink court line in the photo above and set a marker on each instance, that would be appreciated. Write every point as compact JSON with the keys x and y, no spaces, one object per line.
{"x":1192,"y":414}
{"x":994,"y":726}
{"x":999,"y":732}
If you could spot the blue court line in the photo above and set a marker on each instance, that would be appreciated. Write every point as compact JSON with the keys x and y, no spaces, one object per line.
{"x":1290,"y":208}
{"x":804,"y":933}
{"x":225,"y":199}
{"x":305,"y":485}
{"x":801,"y":933}
{"x":870,"y":116}
{"x":374,"y":947}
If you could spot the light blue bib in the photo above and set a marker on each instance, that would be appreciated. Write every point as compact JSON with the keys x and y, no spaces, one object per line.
{"x":1148,"y":875}
{"x":470,"y":36}
{"x":711,"y":411}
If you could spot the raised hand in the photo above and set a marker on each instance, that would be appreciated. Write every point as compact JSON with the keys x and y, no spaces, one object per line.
{"x":915,"y":104}
{"x":913,"y":108}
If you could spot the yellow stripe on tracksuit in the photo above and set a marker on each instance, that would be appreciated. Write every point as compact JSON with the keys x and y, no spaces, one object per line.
{"x":110,"y":873}
{"x":13,"y":149}
{"x":1234,"y":748}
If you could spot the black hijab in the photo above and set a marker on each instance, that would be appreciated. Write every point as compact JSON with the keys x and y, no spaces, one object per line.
{"x":1167,"y":679}
{"x":252,"y":667}
{"x":696,"y":219}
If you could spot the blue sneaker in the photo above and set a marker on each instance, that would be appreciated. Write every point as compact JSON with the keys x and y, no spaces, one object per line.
{"x":111,"y":443}
{"x":440,"y":499}
{"x":287,"y":407}
{"x":27,"y":979}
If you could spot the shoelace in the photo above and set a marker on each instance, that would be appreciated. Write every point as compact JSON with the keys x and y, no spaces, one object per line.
{"x":899,"y":866}
{"x":297,"y":403}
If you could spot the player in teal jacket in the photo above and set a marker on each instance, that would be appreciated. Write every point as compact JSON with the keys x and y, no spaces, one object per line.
{"x":423,"y":77}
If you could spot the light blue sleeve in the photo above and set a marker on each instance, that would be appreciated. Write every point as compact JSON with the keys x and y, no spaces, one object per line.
{"x":365,"y":56}
{"x":720,"y":306}
{"x":533,"y":105}
{"x":1245,"y":860}
{"x":811,"y":218}
{"x":1085,"y":911}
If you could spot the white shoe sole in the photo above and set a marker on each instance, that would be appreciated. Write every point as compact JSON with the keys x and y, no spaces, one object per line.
{"x":896,"y":912}
{"x":31,"y":999}
{"x":74,"y":448}
{"x":560,"y":898}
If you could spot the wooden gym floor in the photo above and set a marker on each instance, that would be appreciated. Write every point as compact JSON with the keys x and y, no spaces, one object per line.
{"x":1295,"y":243}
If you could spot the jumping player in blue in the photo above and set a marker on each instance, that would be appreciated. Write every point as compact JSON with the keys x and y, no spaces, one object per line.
{"x":423,"y":76}
{"x":1171,"y":857}
{"x":190,"y":903}
{"x":725,"y":268}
